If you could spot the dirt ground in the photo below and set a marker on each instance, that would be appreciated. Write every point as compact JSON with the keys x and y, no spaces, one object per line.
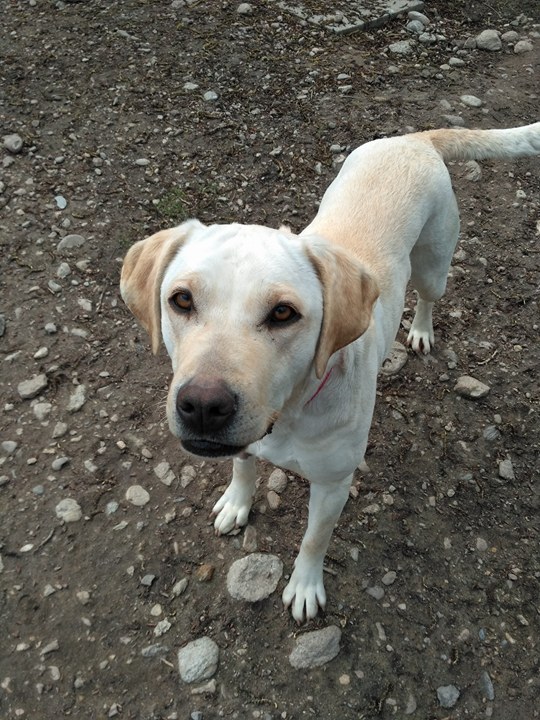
{"x":115,"y":147}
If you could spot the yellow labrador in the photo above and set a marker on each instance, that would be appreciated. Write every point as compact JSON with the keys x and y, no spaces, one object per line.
{"x":276,"y":339}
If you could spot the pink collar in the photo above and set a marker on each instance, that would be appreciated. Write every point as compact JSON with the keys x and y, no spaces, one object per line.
{"x":323,"y":383}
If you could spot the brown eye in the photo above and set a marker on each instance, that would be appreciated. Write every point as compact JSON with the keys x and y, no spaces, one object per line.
{"x":282,"y":314}
{"x":182,"y":301}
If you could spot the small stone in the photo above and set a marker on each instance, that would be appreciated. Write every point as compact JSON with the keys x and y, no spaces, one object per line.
{"x":63,"y":271}
{"x":190,"y":86}
{"x":205,"y":572}
{"x":273,"y":500}
{"x":420,"y":17}
{"x":454,"y":120}
{"x":481,"y":545}
{"x":59,"y":463}
{"x":111,"y":507}
{"x":68,"y":510}
{"x":137,"y":495}
{"x":198,"y":660}
{"x":42,"y":410}
{"x":277,"y":481}
{"x":489,"y":40}
{"x":244,"y":9}
{"x":162,"y":627}
{"x":506,"y":469}
{"x":77,"y":398}
{"x":154,"y":650}
{"x":2,"y":325}
{"x":61,"y":202}
{"x":448,"y":695}
{"x":148,"y":580}
{"x":487,"y":686}
{"x":250,"y":539}
{"x":415,"y":26}
{"x":69,"y":243}
{"x":510,"y":37}
{"x":254,"y":577}
{"x":389,"y":578}
{"x":411,"y":705}
{"x":41,"y":353}
{"x":470,"y":387}
{"x":402,"y":47}
{"x":210,"y":96}
{"x":179,"y":588}
{"x":396,"y":360}
{"x":474,"y":171}
{"x":375,"y":592}
{"x":50,"y":328}
{"x":60,"y":429}
{"x":187,"y":475}
{"x":13,"y":143}
{"x":83,"y":596}
{"x":456,"y":62}
{"x":9,"y":446}
{"x":316,"y":648}
{"x":164,"y":473}
{"x":471,"y":101}
{"x":30,"y":388}
{"x":142,"y":162}
{"x":523,"y":46}
{"x":491,"y":433}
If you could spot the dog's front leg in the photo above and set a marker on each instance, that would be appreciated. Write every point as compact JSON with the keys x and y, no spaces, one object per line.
{"x":305,"y":591}
{"x":232,"y":509}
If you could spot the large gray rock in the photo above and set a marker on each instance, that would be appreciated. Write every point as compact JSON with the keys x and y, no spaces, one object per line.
{"x":198,"y":660}
{"x":254,"y":577}
{"x":316,"y":648}
{"x":30,"y":388}
{"x":489,"y":40}
{"x":470,"y":387}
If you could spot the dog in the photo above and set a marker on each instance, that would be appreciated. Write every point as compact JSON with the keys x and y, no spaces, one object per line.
{"x":276,"y":339}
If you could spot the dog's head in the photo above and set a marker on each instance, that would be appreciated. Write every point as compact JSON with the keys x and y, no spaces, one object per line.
{"x":248,"y":315}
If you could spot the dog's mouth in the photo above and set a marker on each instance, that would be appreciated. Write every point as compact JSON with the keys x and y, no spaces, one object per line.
{"x":208,"y":448}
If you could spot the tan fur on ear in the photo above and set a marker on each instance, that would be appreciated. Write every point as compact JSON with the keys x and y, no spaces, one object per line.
{"x":349,"y":293}
{"x":142,"y":274}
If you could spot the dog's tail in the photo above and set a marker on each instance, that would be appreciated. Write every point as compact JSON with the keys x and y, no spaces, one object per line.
{"x":462,"y":144}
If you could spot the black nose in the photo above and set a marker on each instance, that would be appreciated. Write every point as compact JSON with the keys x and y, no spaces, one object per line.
{"x":205,"y":406}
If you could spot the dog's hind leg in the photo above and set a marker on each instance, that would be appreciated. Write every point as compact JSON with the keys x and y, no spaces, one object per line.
{"x":430,"y":262}
{"x":232,"y":509}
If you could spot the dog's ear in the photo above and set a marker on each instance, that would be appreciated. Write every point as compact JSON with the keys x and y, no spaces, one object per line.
{"x":349,"y":293}
{"x":142,"y":274}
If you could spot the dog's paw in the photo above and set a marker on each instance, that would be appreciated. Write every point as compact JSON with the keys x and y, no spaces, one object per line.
{"x":231,"y":510}
{"x":421,"y":341}
{"x":305,"y":593}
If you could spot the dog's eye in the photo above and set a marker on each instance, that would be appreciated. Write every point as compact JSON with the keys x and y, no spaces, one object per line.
{"x":182,"y":301}
{"x":282,"y":314}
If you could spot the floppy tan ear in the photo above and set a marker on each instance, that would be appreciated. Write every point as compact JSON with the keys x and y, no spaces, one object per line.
{"x":349,"y":293}
{"x":142,"y":274}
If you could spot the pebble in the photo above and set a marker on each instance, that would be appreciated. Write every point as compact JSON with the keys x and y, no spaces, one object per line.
{"x":162,"y":627}
{"x":376,"y":592}
{"x":389,"y":578}
{"x":313,"y":649}
{"x":41,"y":353}
{"x":154,"y":650}
{"x":510,"y":37}
{"x":68,"y":243}
{"x":273,"y":500}
{"x":250,"y":539}
{"x":179,"y":588}
{"x":137,"y":495}
{"x":13,"y":143}
{"x":448,"y":695}
{"x":244,"y":9}
{"x":59,"y":463}
{"x":2,"y":325}
{"x":411,"y":705}
{"x":481,"y":545}
{"x":142,"y":162}
{"x":187,"y":475}
{"x":148,"y":580}
{"x":30,"y":388}
{"x":487,"y":686}
{"x":489,"y":40}
{"x":402,"y":47}
{"x":60,"y":429}
{"x":198,"y":660}
{"x":415,"y":26}
{"x":111,"y":507}
{"x":254,"y":577}
{"x":50,"y":328}
{"x":455,"y":120}
{"x":190,"y":86}
{"x":9,"y":446}
{"x":506,"y":469}
{"x":396,"y":360}
{"x":63,"y":271}
{"x":470,"y":387}
{"x":474,"y":171}
{"x":277,"y":481}
{"x":471,"y":100}
{"x":61,"y":202}
{"x":205,"y":572}
{"x":164,"y":473}
{"x":68,"y":510}
{"x":77,"y":398}
{"x":491,"y":433}
{"x":420,"y":17}
{"x":42,"y":410}
{"x":523,"y":46}
{"x":210,"y":96}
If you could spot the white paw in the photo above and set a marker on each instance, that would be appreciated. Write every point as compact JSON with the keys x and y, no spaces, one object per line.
{"x":231,"y":510}
{"x":421,"y":340}
{"x":305,"y":592}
